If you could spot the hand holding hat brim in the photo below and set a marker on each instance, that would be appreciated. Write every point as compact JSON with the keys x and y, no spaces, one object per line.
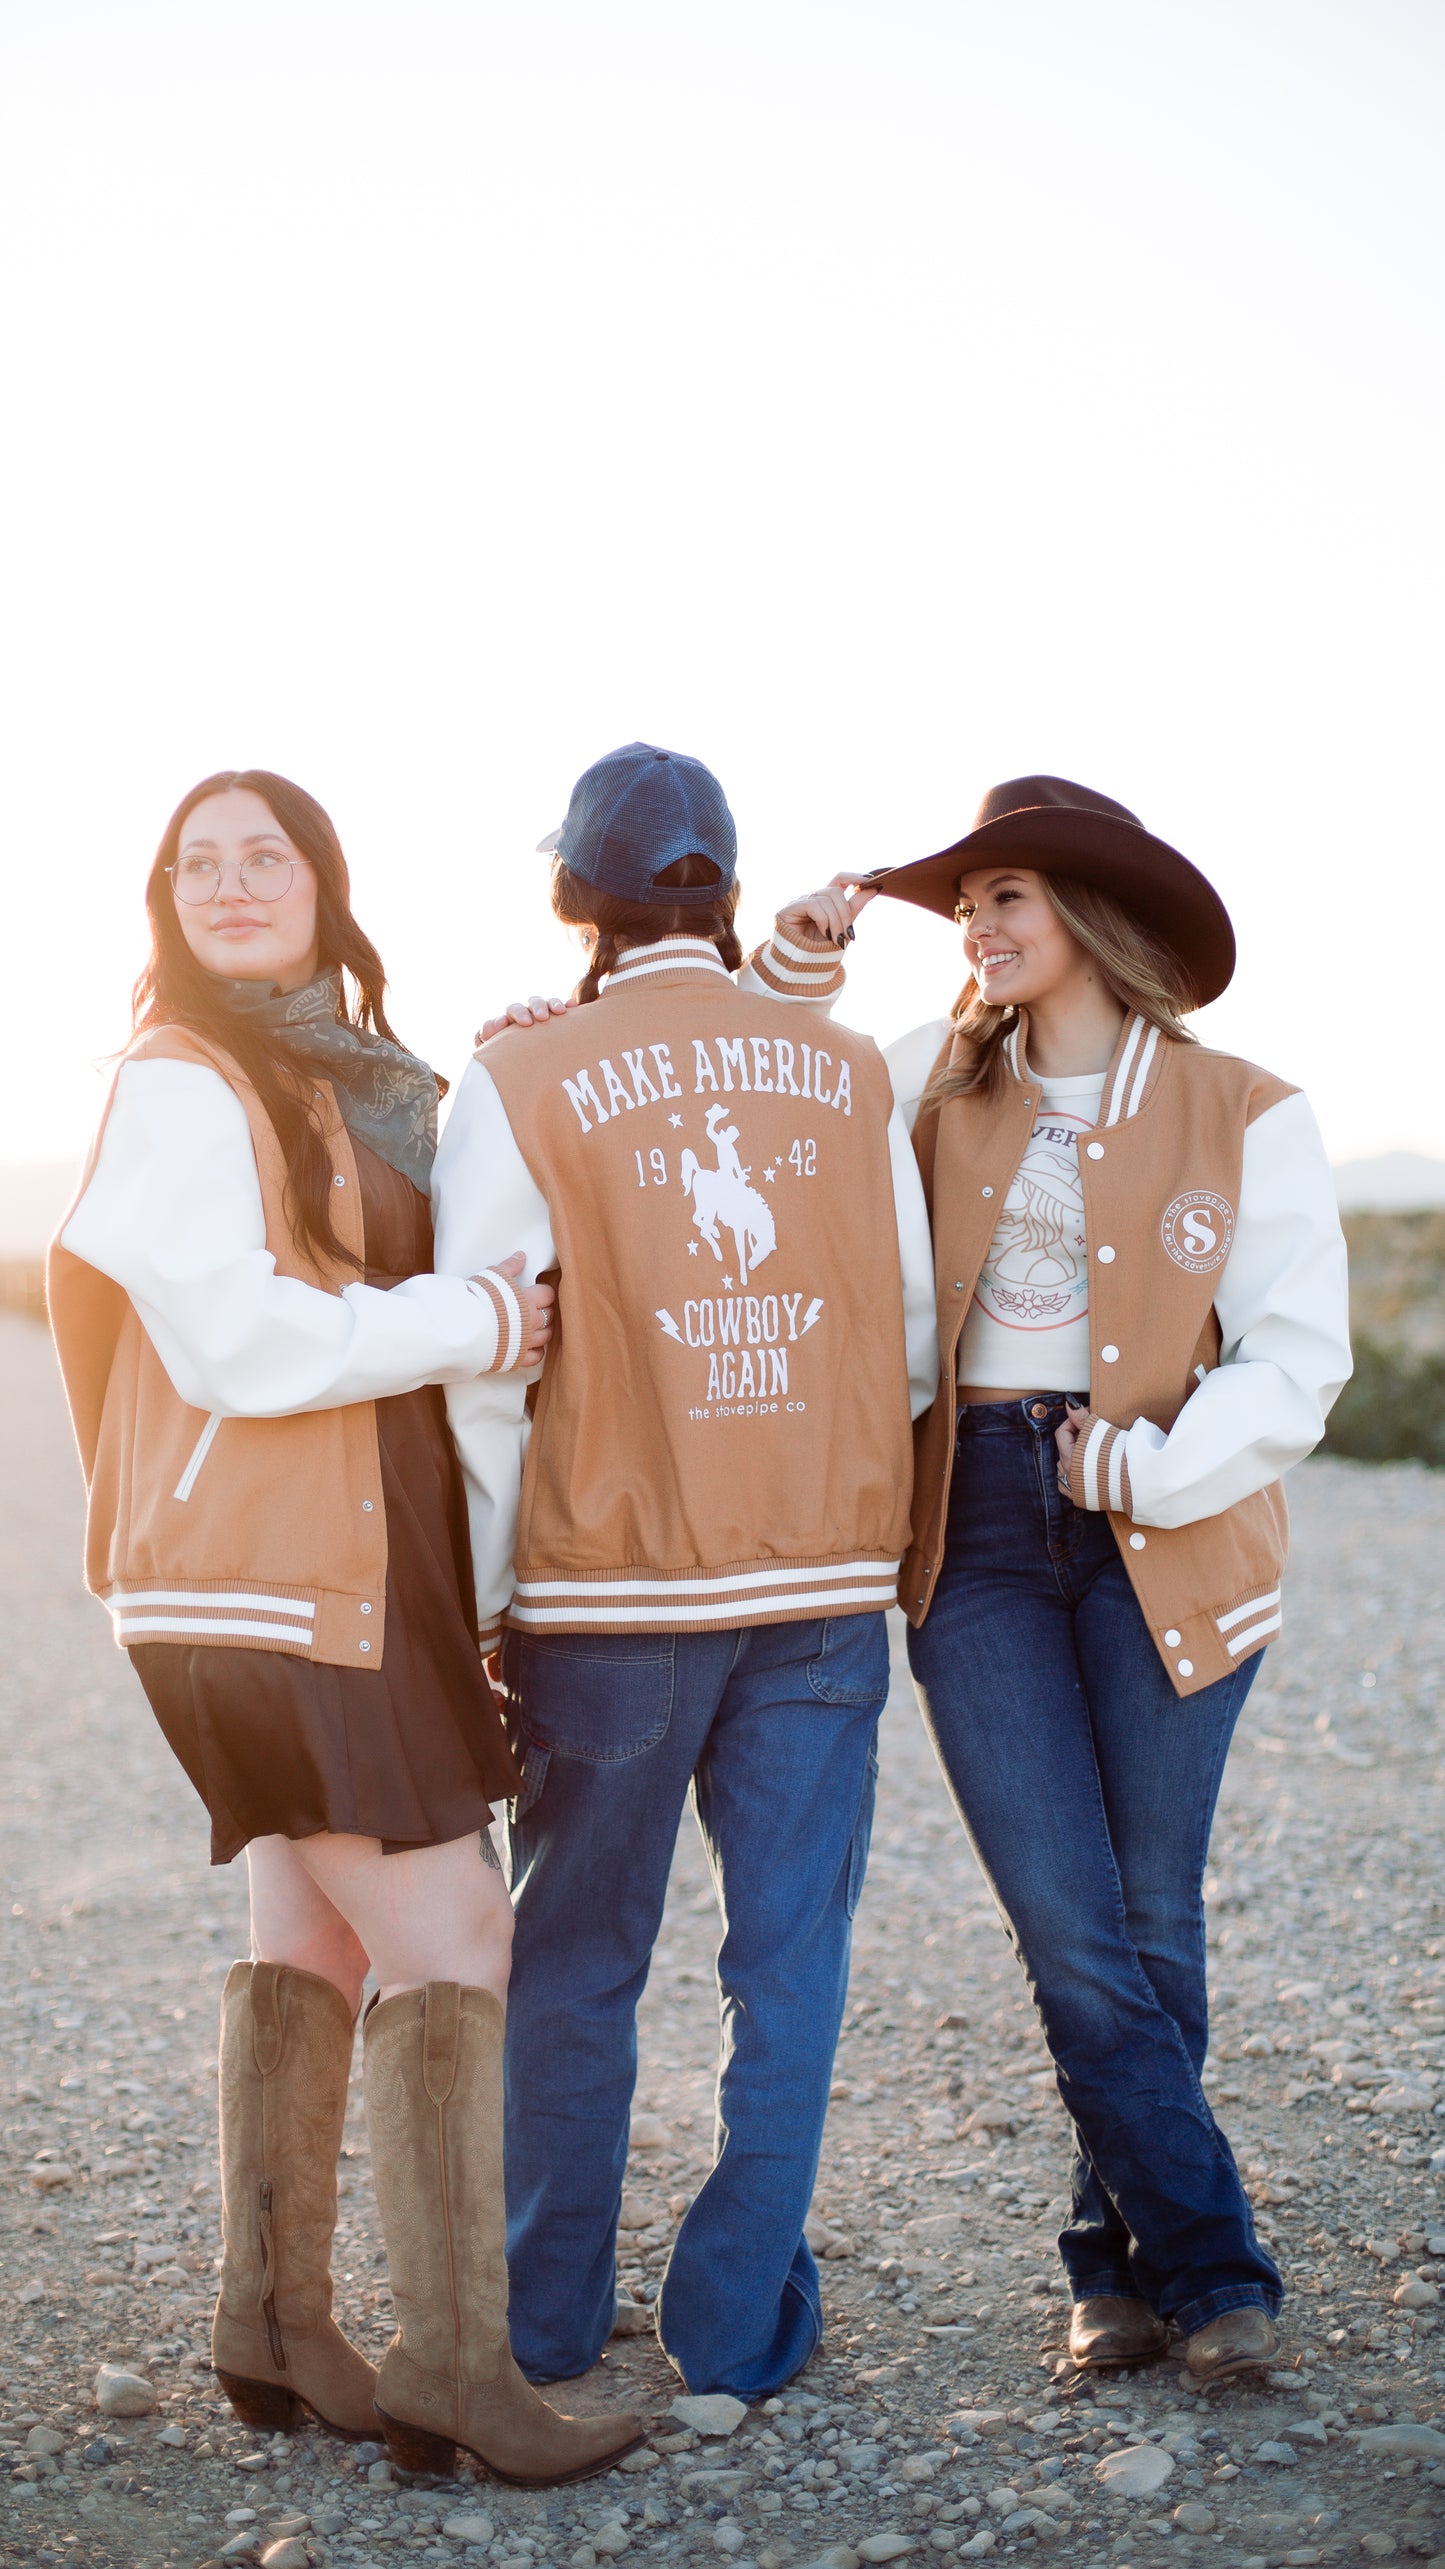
{"x":1147,"y":877}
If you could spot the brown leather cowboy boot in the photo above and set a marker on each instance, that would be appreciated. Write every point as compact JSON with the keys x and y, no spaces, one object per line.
{"x":286,"y":2040}
{"x":1110,"y":2328}
{"x":434,"y":2112}
{"x":1239,"y":2342}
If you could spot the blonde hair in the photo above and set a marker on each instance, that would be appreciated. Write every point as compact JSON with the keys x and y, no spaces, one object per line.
{"x":1141,"y":971}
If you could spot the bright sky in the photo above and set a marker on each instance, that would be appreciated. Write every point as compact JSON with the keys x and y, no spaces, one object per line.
{"x":875,"y":398}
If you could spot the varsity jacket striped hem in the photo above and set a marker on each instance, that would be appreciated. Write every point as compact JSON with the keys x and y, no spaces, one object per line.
{"x":1218,"y":1320}
{"x":483,"y":1189}
{"x":223,"y":1405}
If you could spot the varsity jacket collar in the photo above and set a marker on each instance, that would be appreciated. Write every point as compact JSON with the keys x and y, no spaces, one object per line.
{"x":1130,"y":1080}
{"x":670,"y":959}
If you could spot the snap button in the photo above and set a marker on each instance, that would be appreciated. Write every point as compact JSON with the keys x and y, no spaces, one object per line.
{"x":366,"y":1611}
{"x":366,"y":1507}
{"x":958,"y":1284}
{"x":988,"y":1190}
{"x":1186,"y":1667}
{"x":1106,"y":1257}
{"x":338,"y":1180}
{"x":1173,"y":1639}
{"x":1095,"y":1150}
{"x":363,"y":1645}
{"x":1110,"y":1355}
{"x":1136,"y":1542}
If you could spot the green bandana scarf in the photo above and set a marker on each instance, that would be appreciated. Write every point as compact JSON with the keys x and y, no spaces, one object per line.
{"x":387,"y":1098}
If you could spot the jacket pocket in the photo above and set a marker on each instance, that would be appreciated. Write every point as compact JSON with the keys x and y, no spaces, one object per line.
{"x":598,"y":1699}
{"x":852,"y":1665}
{"x":199,"y":1451}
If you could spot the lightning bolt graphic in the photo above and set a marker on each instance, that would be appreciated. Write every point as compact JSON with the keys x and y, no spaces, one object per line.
{"x":670,"y":1326}
{"x":811,"y":1314}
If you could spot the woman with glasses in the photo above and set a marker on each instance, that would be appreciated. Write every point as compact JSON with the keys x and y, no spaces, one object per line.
{"x":253,"y":1344}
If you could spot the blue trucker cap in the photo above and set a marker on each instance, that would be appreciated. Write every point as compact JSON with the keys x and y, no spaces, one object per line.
{"x":634,"y":813}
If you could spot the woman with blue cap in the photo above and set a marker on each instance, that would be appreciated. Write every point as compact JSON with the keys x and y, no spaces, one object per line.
{"x":687,"y":1530}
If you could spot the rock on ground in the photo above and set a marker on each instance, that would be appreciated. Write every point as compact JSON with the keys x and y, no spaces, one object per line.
{"x":944,"y":2166}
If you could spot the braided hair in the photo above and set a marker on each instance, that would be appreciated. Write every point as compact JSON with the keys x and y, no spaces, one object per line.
{"x":622,"y":923}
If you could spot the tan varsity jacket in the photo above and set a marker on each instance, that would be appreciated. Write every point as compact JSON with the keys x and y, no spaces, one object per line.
{"x":730,"y":1201}
{"x":222,"y":1384}
{"x":1218,"y":1326}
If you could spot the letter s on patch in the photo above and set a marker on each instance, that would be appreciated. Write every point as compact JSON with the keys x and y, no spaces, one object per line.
{"x":1198,"y":1231}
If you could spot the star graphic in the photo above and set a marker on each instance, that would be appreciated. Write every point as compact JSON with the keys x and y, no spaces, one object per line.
{"x":676,"y":1122}
{"x":692,"y":1248}
{"x":727,"y":1280}
{"x":769,"y":1175}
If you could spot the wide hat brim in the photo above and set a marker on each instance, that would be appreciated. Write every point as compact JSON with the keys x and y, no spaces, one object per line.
{"x":1146,"y":876}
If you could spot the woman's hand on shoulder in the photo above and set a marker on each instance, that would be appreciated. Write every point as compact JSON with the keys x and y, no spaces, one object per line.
{"x":538,"y":1303}
{"x":831,"y":911}
{"x":522,"y":1012}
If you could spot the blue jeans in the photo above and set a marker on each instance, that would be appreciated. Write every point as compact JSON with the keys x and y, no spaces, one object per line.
{"x":1087,"y":1788}
{"x":773,"y":1731}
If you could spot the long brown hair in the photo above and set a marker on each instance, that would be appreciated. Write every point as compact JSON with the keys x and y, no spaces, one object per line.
{"x":640,"y":923}
{"x":1144,"y":975}
{"x":175,"y":990}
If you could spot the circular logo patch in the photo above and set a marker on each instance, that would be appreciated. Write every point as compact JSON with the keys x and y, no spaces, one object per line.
{"x":1197,"y":1230}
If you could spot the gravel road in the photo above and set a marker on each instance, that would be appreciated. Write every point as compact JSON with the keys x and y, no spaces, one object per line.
{"x":940,"y":2419}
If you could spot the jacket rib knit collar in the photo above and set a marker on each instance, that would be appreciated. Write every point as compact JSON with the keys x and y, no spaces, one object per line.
{"x":670,"y":959}
{"x":1133,"y":1072}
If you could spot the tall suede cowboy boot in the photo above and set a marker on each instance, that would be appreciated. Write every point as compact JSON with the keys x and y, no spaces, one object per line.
{"x":434,"y":2112}
{"x":286,"y":2041}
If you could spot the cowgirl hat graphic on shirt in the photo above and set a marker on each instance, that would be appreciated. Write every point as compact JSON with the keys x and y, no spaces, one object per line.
{"x":1053,"y":827}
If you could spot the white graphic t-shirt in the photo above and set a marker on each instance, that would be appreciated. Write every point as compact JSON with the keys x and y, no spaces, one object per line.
{"x":1028,"y":1324}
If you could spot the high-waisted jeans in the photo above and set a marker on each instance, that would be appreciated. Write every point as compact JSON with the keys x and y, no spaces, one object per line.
{"x":1087,"y":1788}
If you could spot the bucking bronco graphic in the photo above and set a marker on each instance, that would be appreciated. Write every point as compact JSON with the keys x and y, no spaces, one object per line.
{"x":722,"y":1199}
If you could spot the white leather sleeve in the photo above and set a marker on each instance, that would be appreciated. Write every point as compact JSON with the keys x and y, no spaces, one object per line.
{"x":1283,"y":1308}
{"x":910,"y":1059}
{"x":173,"y":1214}
{"x":482,"y":1189}
{"x":915,"y":1253}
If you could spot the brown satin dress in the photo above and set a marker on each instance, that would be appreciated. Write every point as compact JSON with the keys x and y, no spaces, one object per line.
{"x":413,"y":1752}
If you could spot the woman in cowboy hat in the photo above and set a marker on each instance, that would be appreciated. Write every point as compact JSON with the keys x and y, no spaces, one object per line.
{"x":1143,"y":1322}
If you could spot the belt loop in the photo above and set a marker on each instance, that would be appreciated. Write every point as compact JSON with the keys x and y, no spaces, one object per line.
{"x":266,"y":2026}
{"x":441,"y":2031}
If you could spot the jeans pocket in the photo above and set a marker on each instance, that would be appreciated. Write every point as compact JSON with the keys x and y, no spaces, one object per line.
{"x":862,"y":1836}
{"x":534,"y":1763}
{"x":851,"y":1666}
{"x":596,"y":1698}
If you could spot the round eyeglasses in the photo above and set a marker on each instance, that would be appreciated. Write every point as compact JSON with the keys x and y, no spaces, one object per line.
{"x":264,"y":876}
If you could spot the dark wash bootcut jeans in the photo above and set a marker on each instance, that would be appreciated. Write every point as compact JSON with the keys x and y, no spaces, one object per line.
{"x":1087,"y":1788}
{"x":771,"y":1730}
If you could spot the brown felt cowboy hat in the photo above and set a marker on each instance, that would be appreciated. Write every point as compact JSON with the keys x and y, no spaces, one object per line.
{"x":1053,"y":827}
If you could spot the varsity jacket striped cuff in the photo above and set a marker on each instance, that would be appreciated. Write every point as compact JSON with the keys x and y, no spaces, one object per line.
{"x":1099,"y":1467}
{"x":500,"y":1292}
{"x":489,"y":1636}
{"x":796,"y":963}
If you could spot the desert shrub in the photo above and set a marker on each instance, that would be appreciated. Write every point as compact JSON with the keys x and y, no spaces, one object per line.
{"x":1393,"y":1408}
